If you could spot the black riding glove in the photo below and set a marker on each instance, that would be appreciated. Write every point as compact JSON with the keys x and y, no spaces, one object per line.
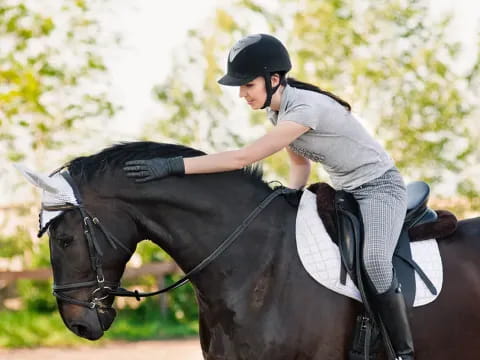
{"x":157,"y":168}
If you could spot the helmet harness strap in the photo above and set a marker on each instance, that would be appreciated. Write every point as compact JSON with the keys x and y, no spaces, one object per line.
{"x":268,"y":86}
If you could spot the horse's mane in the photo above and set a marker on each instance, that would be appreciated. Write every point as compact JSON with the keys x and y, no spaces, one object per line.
{"x":85,"y":167}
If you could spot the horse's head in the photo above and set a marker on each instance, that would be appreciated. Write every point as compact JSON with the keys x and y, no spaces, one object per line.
{"x":90,"y":243}
{"x":82,"y":294}
{"x":87,"y":210}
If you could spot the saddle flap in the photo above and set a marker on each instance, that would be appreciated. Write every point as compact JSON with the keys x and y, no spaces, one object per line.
{"x":349,"y":229}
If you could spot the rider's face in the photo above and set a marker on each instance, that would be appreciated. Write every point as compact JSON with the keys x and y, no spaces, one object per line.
{"x":254,"y":93}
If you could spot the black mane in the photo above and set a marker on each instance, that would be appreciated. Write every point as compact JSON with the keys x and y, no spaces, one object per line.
{"x":85,"y":167}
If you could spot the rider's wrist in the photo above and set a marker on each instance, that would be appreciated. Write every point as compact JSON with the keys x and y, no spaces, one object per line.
{"x":177,"y":166}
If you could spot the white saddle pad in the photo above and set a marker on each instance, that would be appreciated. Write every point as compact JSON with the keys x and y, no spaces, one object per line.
{"x":321,"y":258}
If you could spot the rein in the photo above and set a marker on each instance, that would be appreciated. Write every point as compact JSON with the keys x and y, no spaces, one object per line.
{"x":108,"y":288}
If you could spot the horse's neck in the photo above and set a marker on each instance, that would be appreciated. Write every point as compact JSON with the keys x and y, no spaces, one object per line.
{"x":191,"y":227}
{"x":252,"y":274}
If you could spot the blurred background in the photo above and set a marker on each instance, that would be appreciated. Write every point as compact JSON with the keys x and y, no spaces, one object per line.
{"x":77,"y":76}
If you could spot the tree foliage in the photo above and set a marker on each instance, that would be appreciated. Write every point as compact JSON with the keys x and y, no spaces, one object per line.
{"x":52,"y":86}
{"x":49,"y":56}
{"x":390,"y":60}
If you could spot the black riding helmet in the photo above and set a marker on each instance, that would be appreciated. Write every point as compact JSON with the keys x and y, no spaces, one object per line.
{"x":256,"y":55}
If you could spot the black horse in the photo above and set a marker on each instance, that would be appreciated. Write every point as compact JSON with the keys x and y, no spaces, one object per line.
{"x":255,"y":300}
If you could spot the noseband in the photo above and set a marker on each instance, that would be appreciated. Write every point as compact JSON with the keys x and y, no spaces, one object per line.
{"x":105,"y":288}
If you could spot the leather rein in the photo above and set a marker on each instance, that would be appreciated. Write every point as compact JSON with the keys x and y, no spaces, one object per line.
{"x":105,"y":288}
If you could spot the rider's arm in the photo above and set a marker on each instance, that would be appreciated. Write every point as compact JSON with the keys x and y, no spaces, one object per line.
{"x":275,"y":140}
{"x":299,"y":170}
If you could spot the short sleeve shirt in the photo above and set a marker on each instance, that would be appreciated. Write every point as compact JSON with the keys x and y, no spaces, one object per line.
{"x":336,"y":139}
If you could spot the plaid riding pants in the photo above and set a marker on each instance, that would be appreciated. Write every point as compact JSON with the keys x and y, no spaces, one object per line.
{"x":383,"y":203}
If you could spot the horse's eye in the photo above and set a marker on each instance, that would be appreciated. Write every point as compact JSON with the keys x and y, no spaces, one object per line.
{"x":65,"y":241}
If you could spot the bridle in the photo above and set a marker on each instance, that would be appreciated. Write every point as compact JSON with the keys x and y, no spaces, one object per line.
{"x":105,"y":288}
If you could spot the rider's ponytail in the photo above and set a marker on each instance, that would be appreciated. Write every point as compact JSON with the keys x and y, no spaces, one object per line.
{"x":306,"y":86}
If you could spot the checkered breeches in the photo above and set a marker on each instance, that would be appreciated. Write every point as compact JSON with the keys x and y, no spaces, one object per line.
{"x":383,"y":203}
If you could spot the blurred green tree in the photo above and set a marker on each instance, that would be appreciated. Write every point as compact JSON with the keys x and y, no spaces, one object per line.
{"x":49,"y":74}
{"x":52,"y":85}
{"x":392,"y":61}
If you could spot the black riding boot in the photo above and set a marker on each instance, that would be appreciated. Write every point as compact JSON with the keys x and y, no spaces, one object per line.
{"x":392,"y":309}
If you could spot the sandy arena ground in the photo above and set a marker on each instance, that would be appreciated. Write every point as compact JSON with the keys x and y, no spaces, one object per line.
{"x":158,"y":350}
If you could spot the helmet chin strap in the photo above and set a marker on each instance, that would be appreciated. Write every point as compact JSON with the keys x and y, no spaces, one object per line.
{"x":269,"y":89}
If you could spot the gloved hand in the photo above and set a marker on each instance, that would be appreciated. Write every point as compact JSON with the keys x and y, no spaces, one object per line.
{"x":156,"y":168}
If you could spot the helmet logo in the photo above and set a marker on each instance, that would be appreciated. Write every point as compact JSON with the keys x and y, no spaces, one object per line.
{"x":242,"y":44}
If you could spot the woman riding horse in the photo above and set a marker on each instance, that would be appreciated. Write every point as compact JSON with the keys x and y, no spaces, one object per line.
{"x":313,"y":124}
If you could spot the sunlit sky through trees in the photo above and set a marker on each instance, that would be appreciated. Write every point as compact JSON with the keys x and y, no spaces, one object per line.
{"x":152,"y":31}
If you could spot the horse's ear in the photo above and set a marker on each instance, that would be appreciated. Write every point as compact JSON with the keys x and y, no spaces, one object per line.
{"x":40,"y":180}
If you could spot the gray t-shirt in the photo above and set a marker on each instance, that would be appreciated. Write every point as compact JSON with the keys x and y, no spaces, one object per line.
{"x":336,"y":139}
